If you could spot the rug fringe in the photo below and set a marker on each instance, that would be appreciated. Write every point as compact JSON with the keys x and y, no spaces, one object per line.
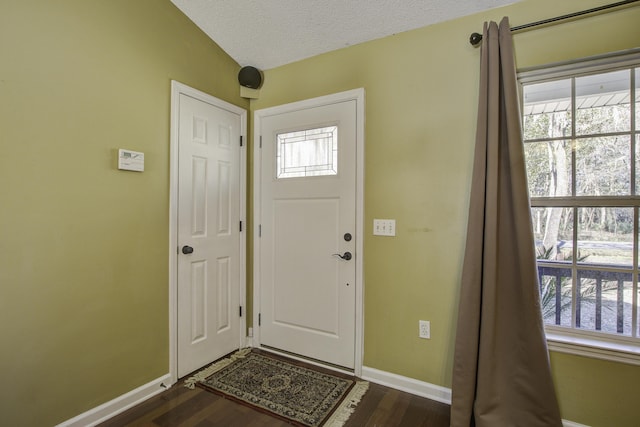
{"x":348,"y":405}
{"x":215,"y":367}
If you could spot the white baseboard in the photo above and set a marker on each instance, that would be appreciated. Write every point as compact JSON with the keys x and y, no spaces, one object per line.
{"x":119,"y":404}
{"x":566,"y":423}
{"x":410,"y":385}
{"x":248,"y":341}
{"x":421,"y":388}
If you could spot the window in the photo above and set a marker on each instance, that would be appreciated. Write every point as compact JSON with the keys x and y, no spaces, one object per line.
{"x":582,"y":152}
{"x":309,"y":152}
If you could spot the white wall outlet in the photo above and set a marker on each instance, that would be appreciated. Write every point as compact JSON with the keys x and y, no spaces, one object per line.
{"x":384,"y":227}
{"x":424,"y":329}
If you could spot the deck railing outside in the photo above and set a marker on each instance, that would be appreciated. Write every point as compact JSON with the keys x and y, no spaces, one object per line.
{"x":602,"y":290}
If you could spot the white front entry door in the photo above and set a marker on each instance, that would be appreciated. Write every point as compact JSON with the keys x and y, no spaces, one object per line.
{"x":209,"y":258}
{"x":308,"y":231}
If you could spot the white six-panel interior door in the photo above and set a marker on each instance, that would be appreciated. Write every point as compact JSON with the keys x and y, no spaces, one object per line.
{"x":208,"y":286}
{"x":308,"y":229}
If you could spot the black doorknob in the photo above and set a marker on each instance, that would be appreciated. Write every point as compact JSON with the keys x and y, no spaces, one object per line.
{"x":187,"y":250}
{"x":346,"y":256}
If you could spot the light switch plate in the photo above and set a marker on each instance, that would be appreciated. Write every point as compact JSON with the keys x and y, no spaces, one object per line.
{"x":130,"y":160}
{"x":384,"y":227}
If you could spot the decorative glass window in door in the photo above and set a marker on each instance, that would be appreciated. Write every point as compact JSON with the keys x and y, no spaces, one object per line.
{"x":311,"y":152}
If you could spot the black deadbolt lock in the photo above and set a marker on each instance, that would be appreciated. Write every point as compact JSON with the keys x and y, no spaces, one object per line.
{"x":347,"y":237}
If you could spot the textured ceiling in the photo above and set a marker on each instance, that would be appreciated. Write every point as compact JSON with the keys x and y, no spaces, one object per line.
{"x":270,"y":33}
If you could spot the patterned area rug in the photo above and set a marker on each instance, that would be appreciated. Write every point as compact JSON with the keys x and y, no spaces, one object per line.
{"x":300,"y":395}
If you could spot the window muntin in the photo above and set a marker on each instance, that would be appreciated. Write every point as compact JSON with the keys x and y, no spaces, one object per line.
{"x":637,"y":90}
{"x":310,"y":152}
{"x":637,"y":163}
{"x":582,"y":152}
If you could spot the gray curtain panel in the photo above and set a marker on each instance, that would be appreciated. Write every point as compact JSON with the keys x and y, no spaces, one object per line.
{"x":501,"y":372}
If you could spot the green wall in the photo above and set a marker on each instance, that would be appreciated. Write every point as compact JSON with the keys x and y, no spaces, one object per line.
{"x":84,"y":246}
{"x":83,"y":265}
{"x":421,"y":101}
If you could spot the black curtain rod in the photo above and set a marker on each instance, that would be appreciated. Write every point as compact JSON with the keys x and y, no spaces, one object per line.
{"x":476,"y":38}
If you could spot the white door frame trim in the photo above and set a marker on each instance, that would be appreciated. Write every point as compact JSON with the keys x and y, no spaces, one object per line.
{"x":177,"y":89}
{"x":358,"y":96}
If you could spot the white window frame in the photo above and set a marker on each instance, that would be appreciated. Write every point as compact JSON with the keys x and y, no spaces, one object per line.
{"x":568,"y":339}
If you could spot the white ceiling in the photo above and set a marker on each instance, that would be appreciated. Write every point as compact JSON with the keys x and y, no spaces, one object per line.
{"x":270,"y":33}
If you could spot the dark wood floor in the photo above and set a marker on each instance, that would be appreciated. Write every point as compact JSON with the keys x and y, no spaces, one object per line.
{"x":380,"y":407}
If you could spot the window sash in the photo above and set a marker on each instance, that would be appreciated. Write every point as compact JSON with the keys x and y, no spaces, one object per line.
{"x":567,"y":337}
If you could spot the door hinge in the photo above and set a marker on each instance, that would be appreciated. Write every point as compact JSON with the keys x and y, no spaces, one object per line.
{"x":260,"y":141}
{"x":240,"y":311}
{"x":240,"y":140}
{"x":241,"y":226}
{"x":259,"y":319}
{"x":260,"y":230}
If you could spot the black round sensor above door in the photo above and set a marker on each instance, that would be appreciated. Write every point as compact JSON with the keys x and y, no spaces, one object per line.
{"x":250,"y":77}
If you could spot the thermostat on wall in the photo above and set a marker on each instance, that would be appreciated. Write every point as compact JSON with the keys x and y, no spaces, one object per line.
{"x":130,"y":160}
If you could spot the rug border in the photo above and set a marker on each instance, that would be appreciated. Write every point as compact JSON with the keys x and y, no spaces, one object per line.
{"x":343,"y":411}
{"x":249,"y":405}
{"x":201,"y":375}
{"x":336,"y":418}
